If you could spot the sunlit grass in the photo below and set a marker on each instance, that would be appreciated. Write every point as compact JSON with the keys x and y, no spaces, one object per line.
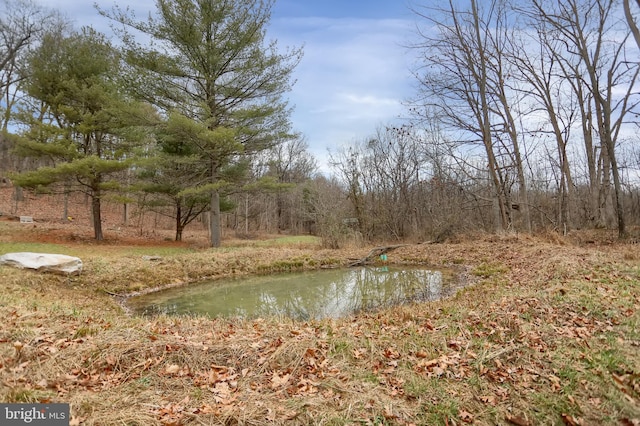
{"x":40,"y":248}
{"x":300,"y":241}
{"x":292,"y":241}
{"x":92,"y":250}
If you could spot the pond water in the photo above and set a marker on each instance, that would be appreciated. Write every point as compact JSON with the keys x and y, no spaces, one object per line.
{"x":301,"y":296}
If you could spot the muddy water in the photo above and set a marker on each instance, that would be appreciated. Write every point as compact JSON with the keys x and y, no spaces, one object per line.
{"x":301,"y":296}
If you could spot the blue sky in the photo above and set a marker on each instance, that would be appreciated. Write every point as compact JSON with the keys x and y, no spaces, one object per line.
{"x":355,"y":71}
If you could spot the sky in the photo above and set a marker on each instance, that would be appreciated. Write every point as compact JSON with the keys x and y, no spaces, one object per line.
{"x":353,"y":77}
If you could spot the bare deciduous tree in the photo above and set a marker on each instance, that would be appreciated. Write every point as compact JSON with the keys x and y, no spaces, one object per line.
{"x":596,"y":57}
{"x":22,"y":23}
{"x":464,"y":78}
{"x":633,"y":26}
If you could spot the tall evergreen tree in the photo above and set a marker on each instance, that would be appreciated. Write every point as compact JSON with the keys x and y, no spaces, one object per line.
{"x":210,"y":63}
{"x":81,"y":120}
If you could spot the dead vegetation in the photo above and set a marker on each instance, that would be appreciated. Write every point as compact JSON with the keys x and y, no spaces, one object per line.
{"x":548,"y":334}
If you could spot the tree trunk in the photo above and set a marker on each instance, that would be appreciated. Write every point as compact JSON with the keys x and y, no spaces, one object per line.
{"x":215,"y":219}
{"x":603,"y":112}
{"x":522,"y":182}
{"x":96,"y":214}
{"x":280,"y":220}
{"x":632,"y":23}
{"x":609,"y":146}
{"x":566,"y":183}
{"x":617,"y":188}
{"x":65,"y":209}
{"x":484,"y":122}
{"x":246,"y":214}
{"x":179,"y":226}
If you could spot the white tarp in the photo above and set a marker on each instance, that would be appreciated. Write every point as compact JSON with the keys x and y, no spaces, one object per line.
{"x":43,"y":262}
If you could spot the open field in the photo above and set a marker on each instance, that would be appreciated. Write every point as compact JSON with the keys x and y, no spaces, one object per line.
{"x":548,"y":333}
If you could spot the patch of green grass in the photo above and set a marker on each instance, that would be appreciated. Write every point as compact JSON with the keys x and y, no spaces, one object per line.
{"x":488,"y":270}
{"x":610,"y":360}
{"x":282,"y":266}
{"x":379,"y":420}
{"x":38,"y":248}
{"x":549,"y":405}
{"x":369,"y":377}
{"x":159,"y":251}
{"x":330,"y":261}
{"x":440,"y":413}
{"x":27,"y":395}
{"x":126,"y":251}
{"x":146,"y":381}
{"x":197,"y":393}
{"x":569,"y":377}
{"x":417,"y":387}
{"x":84,"y":331}
{"x":342,"y":347}
{"x":294,"y":240}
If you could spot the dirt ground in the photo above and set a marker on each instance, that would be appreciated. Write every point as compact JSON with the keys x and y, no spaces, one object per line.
{"x":47,"y":212}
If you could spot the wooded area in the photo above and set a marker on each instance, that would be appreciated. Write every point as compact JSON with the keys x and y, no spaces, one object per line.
{"x":524,"y":119}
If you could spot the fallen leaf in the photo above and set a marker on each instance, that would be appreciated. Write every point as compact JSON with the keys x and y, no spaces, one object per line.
{"x":172,"y":369}
{"x":489,"y":399}
{"x":466,"y":417}
{"x":278,"y":380}
{"x":437,"y":371}
{"x":391,"y":353}
{"x":570,"y":420}
{"x":454,"y":344}
{"x":358,"y":353}
{"x":430,"y":363}
{"x":517,"y":420}
{"x":75,"y":420}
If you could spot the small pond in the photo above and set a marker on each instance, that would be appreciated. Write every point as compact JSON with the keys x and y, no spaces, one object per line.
{"x":301,"y":296}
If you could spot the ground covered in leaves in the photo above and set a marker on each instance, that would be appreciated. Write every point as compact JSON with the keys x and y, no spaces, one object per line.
{"x":546,"y":333}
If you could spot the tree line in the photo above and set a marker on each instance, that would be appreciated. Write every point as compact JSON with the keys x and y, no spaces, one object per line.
{"x":524,"y":119}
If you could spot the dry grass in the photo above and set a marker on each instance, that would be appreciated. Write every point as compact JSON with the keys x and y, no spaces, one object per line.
{"x":547,"y":334}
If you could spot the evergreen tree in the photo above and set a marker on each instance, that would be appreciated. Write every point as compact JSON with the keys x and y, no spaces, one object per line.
{"x":81,"y":121}
{"x":209,"y":63}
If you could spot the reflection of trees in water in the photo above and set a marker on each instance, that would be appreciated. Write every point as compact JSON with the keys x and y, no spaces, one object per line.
{"x":379,"y":288}
{"x":292,"y":306}
{"x":310,"y":295}
{"x":355,"y":291}
{"x":160,"y":309}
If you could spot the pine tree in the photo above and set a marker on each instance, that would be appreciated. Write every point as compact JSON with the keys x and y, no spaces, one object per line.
{"x":81,"y":119}
{"x":209,"y":64}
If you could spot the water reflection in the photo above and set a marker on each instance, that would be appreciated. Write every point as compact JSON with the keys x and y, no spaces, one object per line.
{"x":302,"y":296}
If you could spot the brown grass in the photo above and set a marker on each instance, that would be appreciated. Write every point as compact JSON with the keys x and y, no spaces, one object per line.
{"x":547,"y":334}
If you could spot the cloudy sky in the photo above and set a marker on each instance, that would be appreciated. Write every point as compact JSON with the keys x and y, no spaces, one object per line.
{"x":354,"y":73}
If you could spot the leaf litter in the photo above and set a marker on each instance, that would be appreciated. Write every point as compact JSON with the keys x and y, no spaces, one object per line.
{"x":547,"y":334}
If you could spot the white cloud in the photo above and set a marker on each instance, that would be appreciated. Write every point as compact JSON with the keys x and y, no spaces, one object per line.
{"x":353,"y":77}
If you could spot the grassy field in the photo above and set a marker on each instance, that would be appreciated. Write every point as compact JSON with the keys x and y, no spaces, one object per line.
{"x":547,"y":332}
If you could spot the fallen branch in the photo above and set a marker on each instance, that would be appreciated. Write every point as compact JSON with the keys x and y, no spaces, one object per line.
{"x":375,"y":252}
